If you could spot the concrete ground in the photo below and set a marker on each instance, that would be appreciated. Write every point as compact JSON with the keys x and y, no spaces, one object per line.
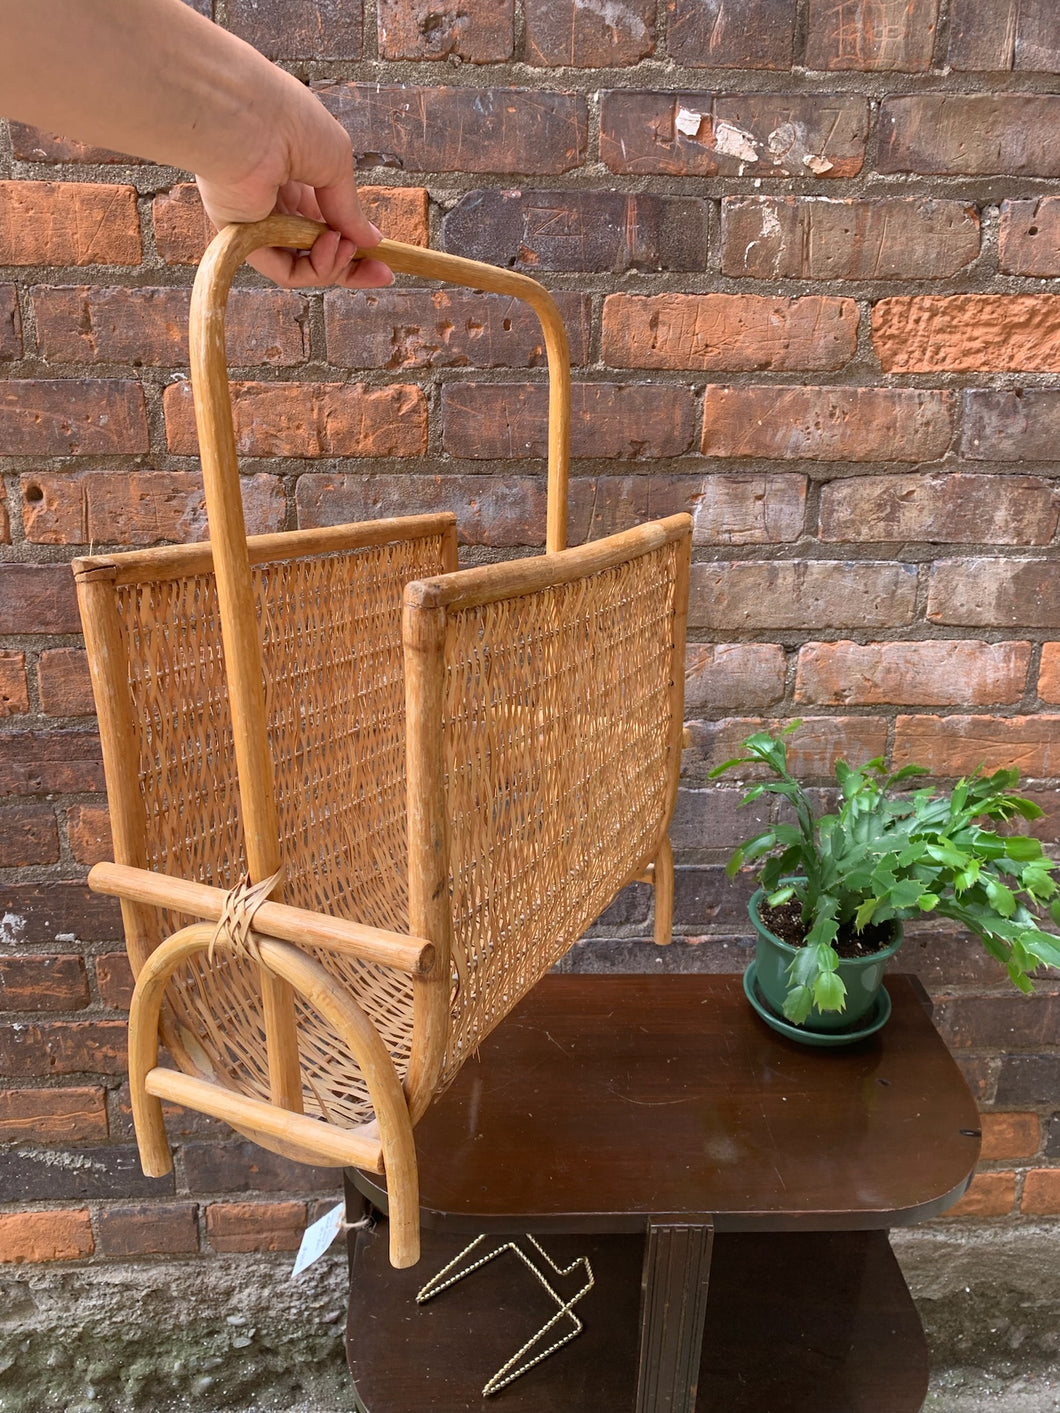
{"x":237,"y":1335}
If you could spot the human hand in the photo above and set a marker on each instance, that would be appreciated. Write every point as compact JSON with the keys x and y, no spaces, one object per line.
{"x":305,"y":169}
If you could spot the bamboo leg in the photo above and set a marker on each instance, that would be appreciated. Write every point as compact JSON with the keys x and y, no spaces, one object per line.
{"x":663,"y":881}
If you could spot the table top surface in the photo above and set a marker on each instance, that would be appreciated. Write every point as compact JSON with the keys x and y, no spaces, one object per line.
{"x":603,"y":1101}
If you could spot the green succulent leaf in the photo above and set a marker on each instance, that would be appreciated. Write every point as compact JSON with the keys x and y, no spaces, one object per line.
{"x":798,"y":1004}
{"x":829,"y":994}
{"x":1023,"y":846}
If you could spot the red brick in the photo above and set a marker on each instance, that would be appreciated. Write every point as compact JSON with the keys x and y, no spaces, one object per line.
{"x":943,"y":959}
{"x":446,"y":328}
{"x":88,"y":829}
{"x":741,"y":332}
{"x":58,"y":912}
{"x":827,"y":423}
{"x":956,"y":745}
{"x":1010,"y":1136}
{"x":710,"y":823}
{"x":28,"y":835}
{"x":14,"y":694}
{"x":1041,"y":1192}
{"x":1049,"y":674}
{"x":567,"y":32}
{"x":136,"y":507}
{"x":115,"y":979}
{"x":940,"y":509}
{"x":83,"y":324}
{"x":731,"y":34}
{"x":53,"y":1115}
{"x":733,"y":677}
{"x":813,"y":748}
{"x":33,"y":144}
{"x":1029,"y":239}
{"x":10,"y":324}
{"x":966,"y":332}
{"x":990,"y":1195}
{"x":748,"y":509}
{"x":38,"y":598}
{"x":900,"y":237}
{"x":1006,"y":34}
{"x":183,"y":230}
{"x":63,"y":1047}
{"x":243,"y":1167}
{"x":477,"y":31}
{"x":877,"y":34}
{"x":64,"y":683}
{"x":43,"y":984}
{"x":499,"y":511}
{"x":68,"y":223}
{"x":756,"y":134}
{"x":5,"y":525}
{"x":181,"y":1124}
{"x":913,"y":674}
{"x":810,"y":594}
{"x":148,"y":1229}
{"x":994,"y":593}
{"x":71,"y":417}
{"x":45,"y":1236}
{"x":486,"y":421}
{"x":976,"y":134}
{"x":527,"y":131}
{"x":49,"y":762}
{"x":1017,"y":425}
{"x":255,"y":1226}
{"x":80,"y":1175}
{"x":299,"y":29}
{"x":488,"y":511}
{"x":310,"y":419}
{"x":579,"y":230}
{"x":1007,"y":1023}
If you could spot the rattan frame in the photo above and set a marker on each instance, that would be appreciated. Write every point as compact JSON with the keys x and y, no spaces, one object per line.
{"x":536,"y":790}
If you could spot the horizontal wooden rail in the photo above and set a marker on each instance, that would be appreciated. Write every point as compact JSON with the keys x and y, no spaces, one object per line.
{"x":413,"y":955}
{"x":486,"y":583}
{"x":179,"y":561}
{"x":343,"y":1148}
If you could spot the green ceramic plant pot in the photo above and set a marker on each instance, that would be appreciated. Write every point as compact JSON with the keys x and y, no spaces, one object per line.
{"x":862,"y":976}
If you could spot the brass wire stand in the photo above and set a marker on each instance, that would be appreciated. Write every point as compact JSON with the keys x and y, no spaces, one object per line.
{"x":514,"y":1369}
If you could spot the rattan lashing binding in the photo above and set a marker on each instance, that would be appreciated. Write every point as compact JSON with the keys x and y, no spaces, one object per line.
{"x":452,"y":771}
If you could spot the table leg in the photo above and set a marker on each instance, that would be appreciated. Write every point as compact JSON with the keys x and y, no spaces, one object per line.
{"x":673,"y":1308}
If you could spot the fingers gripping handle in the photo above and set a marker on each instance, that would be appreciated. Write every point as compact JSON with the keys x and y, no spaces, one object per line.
{"x":232,"y":246}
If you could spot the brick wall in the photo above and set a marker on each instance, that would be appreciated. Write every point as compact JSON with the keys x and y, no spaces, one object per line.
{"x":805,"y":253}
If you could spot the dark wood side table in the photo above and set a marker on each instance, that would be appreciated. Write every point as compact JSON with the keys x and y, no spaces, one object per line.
{"x":720,"y":1177}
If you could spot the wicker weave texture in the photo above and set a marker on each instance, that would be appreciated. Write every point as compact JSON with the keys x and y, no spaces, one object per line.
{"x":559,"y":775}
{"x":334,"y":676}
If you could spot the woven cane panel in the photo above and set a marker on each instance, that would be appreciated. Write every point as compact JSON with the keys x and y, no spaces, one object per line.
{"x":557,"y":739}
{"x":334,"y":678}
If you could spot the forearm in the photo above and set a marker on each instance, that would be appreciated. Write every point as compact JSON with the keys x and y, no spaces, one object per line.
{"x":147,"y":77}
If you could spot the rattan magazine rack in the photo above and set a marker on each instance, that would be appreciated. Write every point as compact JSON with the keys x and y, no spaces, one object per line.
{"x":362,"y":800}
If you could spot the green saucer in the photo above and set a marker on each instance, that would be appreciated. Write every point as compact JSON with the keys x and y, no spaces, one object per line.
{"x":877,"y":1017}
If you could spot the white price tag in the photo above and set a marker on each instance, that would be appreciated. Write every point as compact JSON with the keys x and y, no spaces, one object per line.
{"x":318,"y":1237}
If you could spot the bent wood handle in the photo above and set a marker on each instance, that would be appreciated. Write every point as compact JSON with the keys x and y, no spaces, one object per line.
{"x":220,"y":469}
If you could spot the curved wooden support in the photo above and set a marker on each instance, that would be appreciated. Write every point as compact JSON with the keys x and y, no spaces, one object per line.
{"x":307,"y":977}
{"x":144,"y":1016}
{"x":662,"y":878}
